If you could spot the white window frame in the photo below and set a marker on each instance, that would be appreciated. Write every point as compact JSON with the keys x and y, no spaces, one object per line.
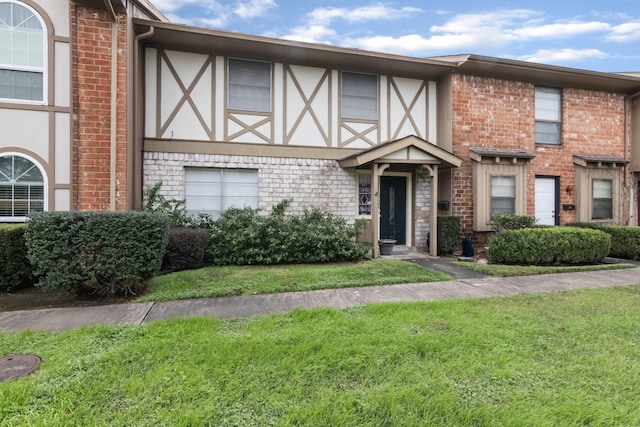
{"x":233,"y":86}
{"x":215,"y":193}
{"x":594,"y":191}
{"x":43,"y":70}
{"x":45,"y":186}
{"x":352,"y":104}
{"x":547,"y":116}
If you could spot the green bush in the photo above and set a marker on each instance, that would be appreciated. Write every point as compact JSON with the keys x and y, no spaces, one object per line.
{"x":549,"y":246}
{"x":107,"y":253}
{"x":185,"y":249}
{"x":15,"y":269}
{"x":504,"y":221}
{"x":241,"y":236}
{"x":625,"y":240}
{"x":173,"y":208}
{"x":449,"y":231}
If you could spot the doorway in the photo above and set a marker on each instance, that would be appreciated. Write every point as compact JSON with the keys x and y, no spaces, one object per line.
{"x":546,"y":201}
{"x":393,"y":208}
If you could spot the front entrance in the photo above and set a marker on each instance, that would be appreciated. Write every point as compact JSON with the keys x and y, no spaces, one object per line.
{"x":546,"y":200}
{"x":393,"y":208}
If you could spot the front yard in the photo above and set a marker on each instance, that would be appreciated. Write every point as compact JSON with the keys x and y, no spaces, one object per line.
{"x":566,"y":358}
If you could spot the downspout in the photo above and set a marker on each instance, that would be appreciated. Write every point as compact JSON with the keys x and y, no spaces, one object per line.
{"x":633,"y":203}
{"x":138,"y":129}
{"x":113,"y":137}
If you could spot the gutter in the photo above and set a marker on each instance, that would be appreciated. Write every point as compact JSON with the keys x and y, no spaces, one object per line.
{"x":113,"y":136}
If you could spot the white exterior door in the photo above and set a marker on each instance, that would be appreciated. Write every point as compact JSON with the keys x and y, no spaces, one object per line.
{"x":546,"y":201}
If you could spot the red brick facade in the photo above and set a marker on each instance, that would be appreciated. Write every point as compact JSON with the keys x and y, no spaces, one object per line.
{"x":500,"y":115}
{"x":91,"y":40}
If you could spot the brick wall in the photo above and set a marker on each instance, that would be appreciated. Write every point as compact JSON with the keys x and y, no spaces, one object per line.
{"x":500,"y":115}
{"x":91,"y":64}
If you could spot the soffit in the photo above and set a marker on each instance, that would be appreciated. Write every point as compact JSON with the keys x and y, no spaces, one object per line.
{"x":194,"y":39}
{"x":599,"y":161}
{"x":408,"y":150}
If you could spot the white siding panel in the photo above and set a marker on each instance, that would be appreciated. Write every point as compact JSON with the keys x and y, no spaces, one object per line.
{"x":432,"y":112}
{"x":186,"y":125}
{"x":335,"y":111}
{"x":170,"y":93}
{"x":383,"y":105}
{"x":62,"y":149}
{"x":63,"y":199}
{"x":307,"y":134}
{"x":186,"y":64}
{"x":151,"y":96}
{"x":220,"y":98}
{"x":202,"y":96}
{"x":58,"y":12}
{"x":29,"y":130}
{"x":278,"y":103}
{"x":62,"y":75}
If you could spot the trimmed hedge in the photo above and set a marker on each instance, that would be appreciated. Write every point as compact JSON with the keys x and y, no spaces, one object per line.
{"x":549,"y":246}
{"x":241,"y":236}
{"x":449,"y":231}
{"x":504,"y":221}
{"x":107,"y":253}
{"x":15,"y":269}
{"x":185,"y":249}
{"x":625,"y":240}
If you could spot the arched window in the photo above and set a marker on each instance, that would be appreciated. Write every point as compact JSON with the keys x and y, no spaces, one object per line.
{"x":22,"y":53}
{"x":22,"y":188}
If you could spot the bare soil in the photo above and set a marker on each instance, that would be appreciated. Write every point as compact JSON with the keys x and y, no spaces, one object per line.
{"x":34,"y":297}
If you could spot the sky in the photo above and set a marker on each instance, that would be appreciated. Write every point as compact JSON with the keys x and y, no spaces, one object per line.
{"x":594,"y":35}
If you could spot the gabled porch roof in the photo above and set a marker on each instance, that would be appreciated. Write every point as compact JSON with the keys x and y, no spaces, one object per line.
{"x":407,"y":150}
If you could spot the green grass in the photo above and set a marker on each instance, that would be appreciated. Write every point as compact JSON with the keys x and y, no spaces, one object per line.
{"x":251,"y":280}
{"x":502,"y":270}
{"x":557,"y":359}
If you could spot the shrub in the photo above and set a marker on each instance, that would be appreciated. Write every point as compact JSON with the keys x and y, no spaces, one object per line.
{"x":173,"y":208}
{"x":504,"y":221}
{"x":107,"y":253}
{"x":185,"y":249}
{"x":241,"y":236}
{"x":625,"y":240}
{"x":549,"y":246}
{"x":449,"y":231}
{"x":15,"y":269}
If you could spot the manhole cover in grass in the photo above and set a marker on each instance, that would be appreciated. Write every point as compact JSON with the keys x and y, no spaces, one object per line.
{"x":17,"y":365}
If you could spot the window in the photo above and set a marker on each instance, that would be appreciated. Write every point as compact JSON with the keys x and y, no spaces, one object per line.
{"x":503,"y":194}
{"x":212,"y":191}
{"x":364,"y":194}
{"x":602,"y":199}
{"x":548,"y":115}
{"x":249,"y":85}
{"x":22,"y":53}
{"x":359,"y":96}
{"x":21,"y":188}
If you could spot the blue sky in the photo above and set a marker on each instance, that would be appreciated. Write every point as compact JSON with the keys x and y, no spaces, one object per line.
{"x":590,"y":34}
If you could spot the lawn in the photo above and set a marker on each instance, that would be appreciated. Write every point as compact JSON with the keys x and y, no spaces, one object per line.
{"x":566,"y":358}
{"x":502,"y":270}
{"x":250,"y":280}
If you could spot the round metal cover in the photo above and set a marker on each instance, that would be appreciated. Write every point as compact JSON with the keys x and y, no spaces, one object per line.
{"x":17,"y":365}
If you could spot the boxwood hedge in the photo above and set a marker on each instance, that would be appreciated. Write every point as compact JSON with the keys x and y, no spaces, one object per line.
{"x":625,"y":240}
{"x":15,"y":269}
{"x":549,"y":246}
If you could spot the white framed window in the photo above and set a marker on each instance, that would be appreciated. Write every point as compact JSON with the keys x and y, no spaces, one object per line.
{"x":212,"y":191}
{"x":359,"y":96}
{"x":503,"y":194}
{"x":548,"y":115}
{"x":249,"y":85}
{"x":602,"y":207}
{"x":364,"y":194}
{"x":22,"y":53}
{"x":22,"y":187}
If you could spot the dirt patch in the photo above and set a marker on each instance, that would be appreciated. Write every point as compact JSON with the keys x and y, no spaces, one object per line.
{"x":32,"y":298}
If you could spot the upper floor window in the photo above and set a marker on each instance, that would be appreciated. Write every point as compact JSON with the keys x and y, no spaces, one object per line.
{"x":21,"y":188}
{"x":359,"y":96}
{"x":602,"y":199}
{"x":22,"y":53}
{"x":548,"y":115}
{"x":249,"y":85}
{"x":503,"y":194}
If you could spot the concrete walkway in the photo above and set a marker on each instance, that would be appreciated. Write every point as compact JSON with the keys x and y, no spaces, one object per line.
{"x":245,"y":306}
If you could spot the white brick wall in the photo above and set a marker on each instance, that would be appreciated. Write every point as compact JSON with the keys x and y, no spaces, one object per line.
{"x":422,"y":207}
{"x":308,"y":182}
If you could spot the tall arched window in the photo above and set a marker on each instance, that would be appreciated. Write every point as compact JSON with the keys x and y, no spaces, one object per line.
{"x":22,"y":188}
{"x":22,"y":53}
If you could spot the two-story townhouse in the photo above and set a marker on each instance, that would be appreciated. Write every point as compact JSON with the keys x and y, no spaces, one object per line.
{"x":63,"y":104}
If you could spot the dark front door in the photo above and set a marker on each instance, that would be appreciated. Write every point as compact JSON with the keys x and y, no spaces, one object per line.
{"x":393,"y":211}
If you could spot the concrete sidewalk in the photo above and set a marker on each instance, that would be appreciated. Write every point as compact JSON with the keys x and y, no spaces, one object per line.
{"x":245,"y":306}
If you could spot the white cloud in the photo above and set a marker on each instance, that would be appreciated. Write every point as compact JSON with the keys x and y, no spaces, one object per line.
{"x":378,"y":11}
{"x":549,"y":56}
{"x":311,"y":34}
{"x":560,"y":29}
{"x":169,"y":6}
{"x":253,"y":8}
{"x":629,"y":31}
{"x":476,"y":22}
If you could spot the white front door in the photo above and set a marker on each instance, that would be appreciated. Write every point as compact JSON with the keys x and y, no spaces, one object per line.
{"x":546,"y":201}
